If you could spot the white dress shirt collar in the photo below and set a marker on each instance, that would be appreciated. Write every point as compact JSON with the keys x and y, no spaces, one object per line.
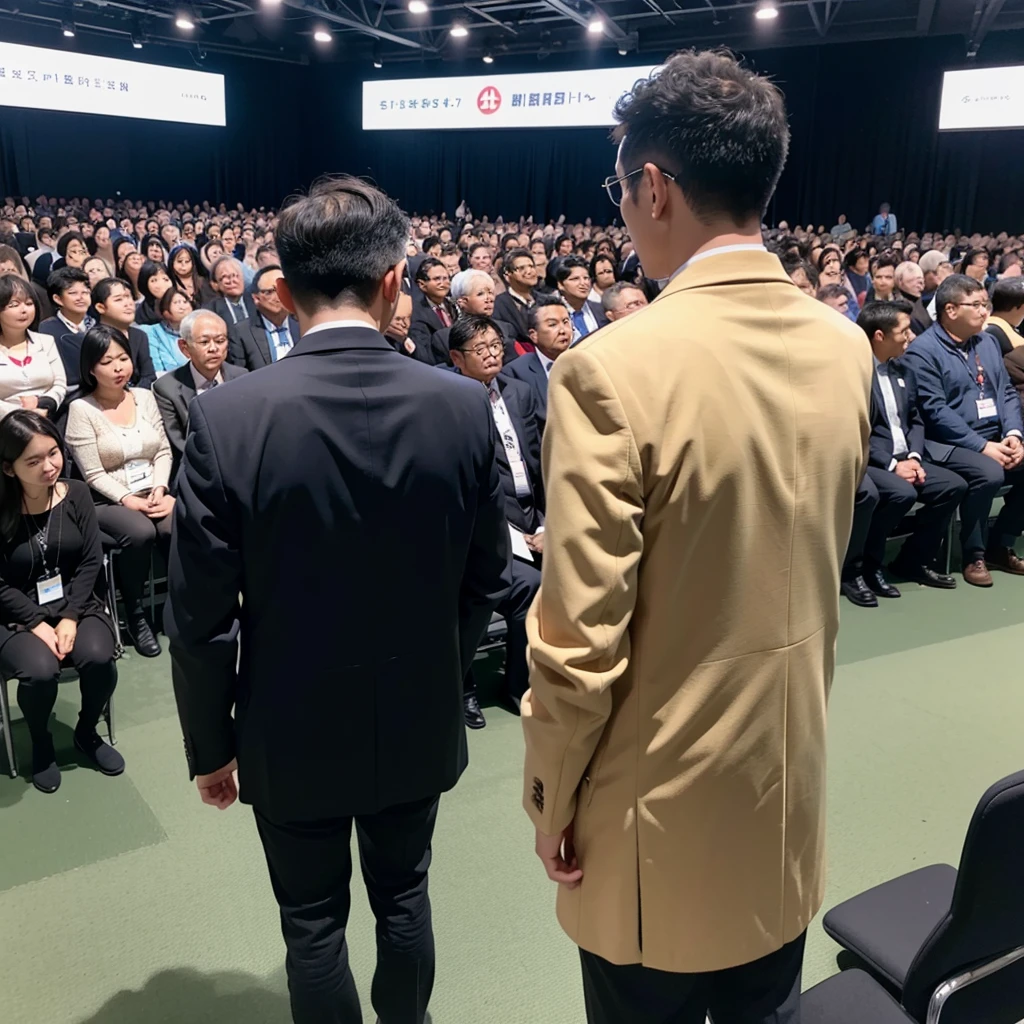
{"x":202,"y":383}
{"x":545,"y":362}
{"x":332,"y":325}
{"x":717,"y":251}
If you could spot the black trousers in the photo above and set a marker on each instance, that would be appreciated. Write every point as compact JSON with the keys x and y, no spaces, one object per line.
{"x":135,"y":534}
{"x":984,"y":478}
{"x":766,"y":991}
{"x":26,"y":658}
{"x":310,"y":869}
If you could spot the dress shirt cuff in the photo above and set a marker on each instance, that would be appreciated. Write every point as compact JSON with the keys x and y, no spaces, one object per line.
{"x":914,"y":455}
{"x":539,"y":530}
{"x":1015,"y":433}
{"x":892,"y":464}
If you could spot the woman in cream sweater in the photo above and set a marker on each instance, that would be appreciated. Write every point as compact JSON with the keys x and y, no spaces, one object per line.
{"x":31,"y":372}
{"x":118,"y":439}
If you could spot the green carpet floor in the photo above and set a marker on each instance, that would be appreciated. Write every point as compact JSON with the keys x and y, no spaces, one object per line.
{"x":125,"y":901}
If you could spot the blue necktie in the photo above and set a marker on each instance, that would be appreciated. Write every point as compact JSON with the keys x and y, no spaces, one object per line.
{"x":282,"y":339}
{"x":579,"y":321}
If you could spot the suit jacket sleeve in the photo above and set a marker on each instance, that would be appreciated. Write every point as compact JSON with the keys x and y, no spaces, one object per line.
{"x":488,"y":574}
{"x":236,"y":350}
{"x":1009,"y":404}
{"x":168,"y":413}
{"x":422,"y":336}
{"x":915,"y":439}
{"x":145,"y":369}
{"x":943,"y":424}
{"x":204,"y":620}
{"x":578,"y":626}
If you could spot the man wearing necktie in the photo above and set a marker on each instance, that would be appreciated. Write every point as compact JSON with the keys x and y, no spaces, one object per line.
{"x":268,"y":336}
{"x":897,"y":474}
{"x":432,"y":309}
{"x":573,"y":278}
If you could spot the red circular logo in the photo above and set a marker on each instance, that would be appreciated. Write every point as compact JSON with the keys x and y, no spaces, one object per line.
{"x":489,"y":100}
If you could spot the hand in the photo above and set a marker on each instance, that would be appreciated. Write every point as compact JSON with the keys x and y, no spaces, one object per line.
{"x":46,"y":633}
{"x":906,"y":469}
{"x":558,"y":855}
{"x":136,"y":502}
{"x":1002,"y":453}
{"x":65,"y":631}
{"x":29,"y":401}
{"x":220,"y":788}
{"x":409,"y":345}
{"x":1017,"y":449}
{"x":161,"y":508}
{"x":535,"y":542}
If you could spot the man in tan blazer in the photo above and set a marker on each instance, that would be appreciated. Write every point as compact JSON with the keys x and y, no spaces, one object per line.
{"x":700,"y":460}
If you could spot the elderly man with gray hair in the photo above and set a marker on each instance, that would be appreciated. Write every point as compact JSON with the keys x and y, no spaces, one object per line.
{"x":472,"y":292}
{"x":203,"y":339}
{"x":227,"y":278}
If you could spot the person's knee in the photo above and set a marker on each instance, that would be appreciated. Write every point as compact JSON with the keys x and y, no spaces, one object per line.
{"x":93,"y":651}
{"x":36,"y":666}
{"x":525,"y":584}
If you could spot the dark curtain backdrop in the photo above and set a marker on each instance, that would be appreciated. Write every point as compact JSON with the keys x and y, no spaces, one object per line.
{"x":863,"y":120}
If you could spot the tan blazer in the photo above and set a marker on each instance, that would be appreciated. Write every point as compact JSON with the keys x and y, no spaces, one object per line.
{"x":700,"y":463}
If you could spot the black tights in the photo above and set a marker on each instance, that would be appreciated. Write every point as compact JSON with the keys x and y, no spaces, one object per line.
{"x":135,"y":534}
{"x":26,"y":658}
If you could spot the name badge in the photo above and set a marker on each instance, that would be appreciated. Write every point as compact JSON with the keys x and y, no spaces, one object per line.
{"x":987,"y":408}
{"x":899,"y":380}
{"x":140,"y":474}
{"x":50,"y":590}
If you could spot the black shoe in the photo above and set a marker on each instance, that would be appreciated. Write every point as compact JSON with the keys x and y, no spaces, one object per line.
{"x":45,"y":773}
{"x":106,"y":758}
{"x":471,"y":709}
{"x":142,"y":637}
{"x":923,"y":575}
{"x":856,"y":590}
{"x":879,"y":584}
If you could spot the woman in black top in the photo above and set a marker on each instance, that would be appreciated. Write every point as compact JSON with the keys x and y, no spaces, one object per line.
{"x":50,"y":561}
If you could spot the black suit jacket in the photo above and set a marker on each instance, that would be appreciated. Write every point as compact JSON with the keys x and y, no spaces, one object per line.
{"x":440,"y":349}
{"x":248,"y":344}
{"x":426,"y":323}
{"x":880,"y":444}
{"x":529,"y":370}
{"x":69,"y":346}
{"x":920,"y":318}
{"x":219,"y":305}
{"x":314,"y":503}
{"x":510,"y":310}
{"x":522,"y":412}
{"x":173,"y":393}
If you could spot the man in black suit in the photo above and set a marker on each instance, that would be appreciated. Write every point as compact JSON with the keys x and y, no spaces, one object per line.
{"x":232,"y":305}
{"x":313,"y":500}
{"x":476,"y":349}
{"x":432,"y":309}
{"x":897,"y":475}
{"x":397,"y":331}
{"x":574,"y":284}
{"x":514,"y":304}
{"x":69,"y":292}
{"x":551,"y":334}
{"x":204,"y":340}
{"x":271,"y":333}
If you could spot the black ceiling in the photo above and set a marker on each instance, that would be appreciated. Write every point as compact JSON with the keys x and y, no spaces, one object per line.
{"x":364,"y":30}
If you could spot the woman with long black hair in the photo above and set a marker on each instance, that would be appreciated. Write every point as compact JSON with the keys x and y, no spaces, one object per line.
{"x":154,"y":280}
{"x":50,"y":612}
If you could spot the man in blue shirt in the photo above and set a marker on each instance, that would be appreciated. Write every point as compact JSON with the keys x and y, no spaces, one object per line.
{"x":884,"y":222}
{"x":973,"y":424}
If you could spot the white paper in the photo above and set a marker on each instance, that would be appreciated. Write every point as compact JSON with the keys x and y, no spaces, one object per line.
{"x":519,"y":547}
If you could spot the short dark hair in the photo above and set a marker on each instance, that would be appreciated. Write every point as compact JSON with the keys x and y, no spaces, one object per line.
{"x":337,"y":243}
{"x":882,"y":316}
{"x":468,"y":327}
{"x":477,"y":245}
{"x":11,"y":286}
{"x":168,"y":297}
{"x":954,"y":289}
{"x":850,"y":260}
{"x":95,"y":344}
{"x":429,"y":242}
{"x":885,"y":260}
{"x":66,"y":239}
{"x":1008,"y":294}
{"x":264,"y":249}
{"x":63,"y":278}
{"x":613,"y":291}
{"x":600,"y":257}
{"x":258,"y":276}
{"x":450,"y":249}
{"x":544,"y":302}
{"x":147,"y":272}
{"x":718,"y":128}
{"x":101,"y":289}
{"x":568,"y":265}
{"x":969,"y":258}
{"x":832,"y":291}
{"x":424,"y":269}
{"x":511,"y":256}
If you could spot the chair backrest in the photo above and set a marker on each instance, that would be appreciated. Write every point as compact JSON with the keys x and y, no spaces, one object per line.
{"x":985,"y":919}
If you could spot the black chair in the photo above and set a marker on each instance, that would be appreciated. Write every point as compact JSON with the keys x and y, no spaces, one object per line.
{"x":950,"y":943}
{"x":851,"y":997}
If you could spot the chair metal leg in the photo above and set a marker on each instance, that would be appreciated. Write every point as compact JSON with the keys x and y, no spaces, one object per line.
{"x":108,"y":715}
{"x":5,"y":728}
{"x":108,"y":568}
{"x":949,"y":544}
{"x":955,"y":984}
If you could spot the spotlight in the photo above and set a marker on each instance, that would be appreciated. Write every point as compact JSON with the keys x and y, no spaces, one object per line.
{"x":487,"y":58}
{"x":623,"y":51}
{"x":185,"y":21}
{"x":417,"y":7}
{"x":458,"y":31}
{"x":136,"y":42}
{"x":68,"y":28}
{"x":271,"y":3}
{"x":321,"y":35}
{"x":596,"y":25}
{"x":766,"y":11}
{"x":378,"y":60}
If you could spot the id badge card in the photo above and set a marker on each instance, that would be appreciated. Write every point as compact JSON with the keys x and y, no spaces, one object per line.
{"x":50,"y":590}
{"x":140,"y":474}
{"x":987,"y":408}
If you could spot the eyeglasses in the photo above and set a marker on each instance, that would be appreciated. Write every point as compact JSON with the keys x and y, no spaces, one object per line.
{"x":613,"y":185}
{"x":972,"y":305}
{"x":494,"y":347}
{"x":266,"y":292}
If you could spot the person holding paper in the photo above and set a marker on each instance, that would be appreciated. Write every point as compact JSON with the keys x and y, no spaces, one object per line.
{"x":476,"y":349}
{"x":118,"y":439}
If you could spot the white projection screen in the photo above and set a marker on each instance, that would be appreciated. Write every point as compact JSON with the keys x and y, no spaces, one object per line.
{"x":982,"y":98}
{"x":560,"y":99}
{"x":41,"y":79}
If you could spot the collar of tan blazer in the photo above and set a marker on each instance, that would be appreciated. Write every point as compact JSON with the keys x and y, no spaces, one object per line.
{"x":746,"y":266}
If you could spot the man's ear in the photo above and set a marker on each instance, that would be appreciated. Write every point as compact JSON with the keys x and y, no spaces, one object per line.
{"x":284,"y":293}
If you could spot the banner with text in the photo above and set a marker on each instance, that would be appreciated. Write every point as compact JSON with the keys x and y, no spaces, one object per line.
{"x":31,"y":76}
{"x":982,"y":98}
{"x":560,"y":99}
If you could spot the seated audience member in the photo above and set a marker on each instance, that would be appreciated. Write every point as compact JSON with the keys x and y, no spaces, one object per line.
{"x":929,"y":264}
{"x":883,"y":279}
{"x":975,"y":265}
{"x":101,"y":245}
{"x":973,"y":424}
{"x":271,"y":333}
{"x":203,"y":341}
{"x":70,"y":293}
{"x":897,"y":474}
{"x":801,"y":273}
{"x":513,"y":305}
{"x":451,"y":257}
{"x":232,"y":305}
{"x":209,"y":254}
{"x":842,"y":227}
{"x":266,"y":256}
{"x":154,"y":283}
{"x":163,"y":337}
{"x":551,"y":334}
{"x":836,"y":296}
{"x":12,"y":263}
{"x":183,"y":269}
{"x":432,"y":310}
{"x":1007,"y":312}
{"x":602,"y":274}
{"x":31,"y":372}
{"x":573,"y":279}
{"x":857,"y":265}
{"x":71,"y":252}
{"x":910,"y":286}
{"x":472,"y":291}
{"x":830,"y":271}
{"x":113,"y":303}
{"x":95,"y":268}
{"x":153,"y":249}
{"x":476,"y":349}
{"x":479,"y":257}
{"x":50,"y":562}
{"x":622,"y":299}
{"x":539,"y":251}
{"x":130,"y":264}
{"x":117,"y":437}
{"x":398,"y":331}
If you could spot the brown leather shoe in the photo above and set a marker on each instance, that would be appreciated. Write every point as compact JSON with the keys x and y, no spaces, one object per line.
{"x":1006,"y":560}
{"x":977,"y":574}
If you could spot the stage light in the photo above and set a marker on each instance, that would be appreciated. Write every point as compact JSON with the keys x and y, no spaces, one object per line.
{"x":487,"y":58}
{"x":184,"y":21}
{"x":459,"y":31}
{"x":68,"y":28}
{"x":136,"y":43}
{"x":417,"y":7}
{"x":321,"y":35}
{"x":378,"y":60}
{"x":766,"y":12}
{"x":595,"y":26}
{"x":271,"y":3}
